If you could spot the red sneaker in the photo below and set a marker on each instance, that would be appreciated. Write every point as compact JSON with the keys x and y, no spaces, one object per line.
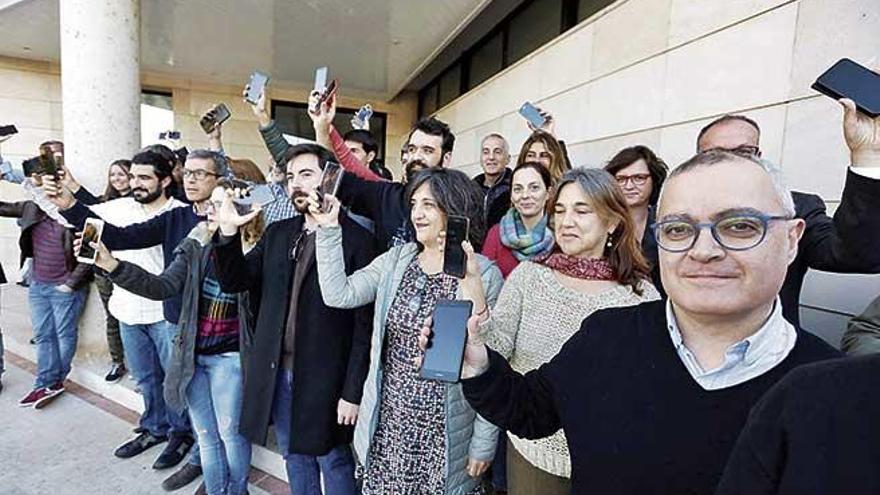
{"x":31,"y":398}
{"x":50,"y":393}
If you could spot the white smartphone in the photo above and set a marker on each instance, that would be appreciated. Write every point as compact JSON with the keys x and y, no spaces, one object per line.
{"x":91,"y":233}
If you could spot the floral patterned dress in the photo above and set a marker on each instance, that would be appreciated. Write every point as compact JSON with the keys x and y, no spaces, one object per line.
{"x":408,"y":450}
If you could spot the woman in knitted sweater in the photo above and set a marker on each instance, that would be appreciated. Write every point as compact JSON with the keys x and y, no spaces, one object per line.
{"x":522,"y":233}
{"x":597,"y":264}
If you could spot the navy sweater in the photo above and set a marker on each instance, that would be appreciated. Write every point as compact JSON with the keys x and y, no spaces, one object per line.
{"x":815,"y":432}
{"x":635,"y":419}
{"x":382,"y":202}
{"x":167,"y":229}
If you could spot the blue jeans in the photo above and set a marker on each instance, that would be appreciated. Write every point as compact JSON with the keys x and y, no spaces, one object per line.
{"x":54,"y":316}
{"x":214,"y":398}
{"x":303,"y":471}
{"x":148,"y":349}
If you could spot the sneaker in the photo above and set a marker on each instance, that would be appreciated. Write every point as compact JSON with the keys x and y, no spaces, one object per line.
{"x":174,"y":452}
{"x":182,"y":477}
{"x":138,"y":444}
{"x":31,"y":398}
{"x":117,"y":371}
{"x":51,"y":393}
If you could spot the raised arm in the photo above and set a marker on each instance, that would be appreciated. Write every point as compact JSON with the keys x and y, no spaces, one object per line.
{"x":235,"y":271}
{"x":135,"y":279}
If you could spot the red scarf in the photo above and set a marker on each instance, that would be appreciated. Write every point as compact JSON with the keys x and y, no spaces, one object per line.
{"x":581,"y":268}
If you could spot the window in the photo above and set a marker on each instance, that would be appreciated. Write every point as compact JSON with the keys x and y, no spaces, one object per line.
{"x":157,"y":115}
{"x":293,"y":119}
{"x":532,"y":27}
{"x":450,"y":85}
{"x":487,"y":60}
{"x":428,"y":100}
{"x":586,"y":8}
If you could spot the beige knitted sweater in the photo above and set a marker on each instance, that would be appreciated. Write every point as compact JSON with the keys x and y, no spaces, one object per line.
{"x":534,"y":316}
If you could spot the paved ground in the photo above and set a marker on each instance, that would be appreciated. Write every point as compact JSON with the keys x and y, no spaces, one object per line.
{"x":67,"y":447}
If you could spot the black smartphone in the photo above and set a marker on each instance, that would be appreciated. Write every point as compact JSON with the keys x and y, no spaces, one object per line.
{"x":91,"y":233}
{"x":7,"y":130}
{"x":532,"y":114}
{"x":328,"y":93}
{"x":49,"y":164}
{"x":454,"y":257}
{"x":216,"y":116}
{"x":256,"y":86}
{"x":847,"y":79}
{"x":32,"y":167}
{"x":446,"y":347}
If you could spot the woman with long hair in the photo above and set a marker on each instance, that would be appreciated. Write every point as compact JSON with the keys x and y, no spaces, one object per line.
{"x":596,"y":263}
{"x":522,"y":233}
{"x":542,"y":147}
{"x":415,"y":435}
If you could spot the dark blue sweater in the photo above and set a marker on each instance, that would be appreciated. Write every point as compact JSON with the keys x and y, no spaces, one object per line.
{"x":635,"y":419}
{"x":167,"y":229}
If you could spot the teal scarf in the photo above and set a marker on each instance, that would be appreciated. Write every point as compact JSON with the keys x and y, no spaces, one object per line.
{"x":523,"y":243}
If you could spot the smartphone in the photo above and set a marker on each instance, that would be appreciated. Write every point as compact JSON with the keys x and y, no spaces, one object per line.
{"x":361,"y":119}
{"x":257,"y":194}
{"x":169,"y":135}
{"x":331,"y":178}
{"x":532,"y":114}
{"x":328,"y":93}
{"x":7,"y":130}
{"x":216,"y":116}
{"x":256,"y":86}
{"x":847,"y":79}
{"x":49,"y":164}
{"x":454,"y":257}
{"x":91,"y":233}
{"x":446,"y":348}
{"x":32,"y":166}
{"x":321,"y":78}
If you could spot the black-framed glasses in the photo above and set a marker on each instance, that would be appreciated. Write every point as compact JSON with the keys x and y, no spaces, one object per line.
{"x":735,"y":233}
{"x":746,"y":150}
{"x":199,"y":173}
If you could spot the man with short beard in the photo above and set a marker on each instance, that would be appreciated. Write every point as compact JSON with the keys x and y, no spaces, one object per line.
{"x":146,"y":335}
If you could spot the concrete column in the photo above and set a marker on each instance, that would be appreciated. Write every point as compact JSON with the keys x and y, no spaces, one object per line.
{"x":100,"y":92}
{"x":100,"y":85}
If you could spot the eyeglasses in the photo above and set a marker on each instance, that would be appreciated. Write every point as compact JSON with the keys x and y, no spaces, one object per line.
{"x":735,"y":233}
{"x":746,"y":150}
{"x":637,"y":179}
{"x":199,"y":173}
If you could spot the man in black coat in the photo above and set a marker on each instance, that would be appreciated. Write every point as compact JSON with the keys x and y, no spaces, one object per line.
{"x":304,"y":367}
{"x":496,"y":177}
{"x":847,"y":243}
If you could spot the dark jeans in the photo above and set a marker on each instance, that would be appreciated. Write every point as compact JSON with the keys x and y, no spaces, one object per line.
{"x":114,"y":340}
{"x":149,"y":350}
{"x":304,"y":471}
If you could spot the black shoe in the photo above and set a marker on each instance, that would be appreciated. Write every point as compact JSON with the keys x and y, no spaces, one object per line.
{"x":184,"y":476}
{"x":201,"y":490}
{"x":117,"y":371}
{"x":138,"y":444}
{"x":174,"y":452}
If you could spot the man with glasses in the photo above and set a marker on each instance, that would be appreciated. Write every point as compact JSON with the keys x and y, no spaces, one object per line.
{"x":201,"y":173}
{"x":652,"y":398}
{"x":850,"y":241}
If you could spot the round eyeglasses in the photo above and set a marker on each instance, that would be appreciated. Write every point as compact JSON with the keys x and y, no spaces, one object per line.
{"x":735,"y":233}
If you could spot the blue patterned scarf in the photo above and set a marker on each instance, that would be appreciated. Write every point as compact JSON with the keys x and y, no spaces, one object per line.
{"x":523,"y":243}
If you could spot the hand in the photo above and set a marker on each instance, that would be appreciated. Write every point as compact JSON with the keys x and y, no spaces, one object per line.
{"x":67,"y":180}
{"x":346,"y":413}
{"x":56,"y":193}
{"x":476,"y":358}
{"x":227,"y":217}
{"x":549,"y":124}
{"x":326,"y":215}
{"x":103,"y":260}
{"x":476,"y":468}
{"x":862,"y":134}
{"x":259,"y":108}
{"x":323,"y":114}
{"x":64,"y":289}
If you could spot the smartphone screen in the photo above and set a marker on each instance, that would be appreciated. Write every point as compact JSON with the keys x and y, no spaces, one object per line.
{"x":530,"y":113}
{"x":454,"y":257}
{"x":256,"y":86}
{"x":847,"y":79}
{"x":216,"y":116}
{"x":7,"y":130}
{"x":446,"y":347}
{"x":258,"y":194}
{"x":208,"y":122}
{"x":331,"y":178}
{"x":321,"y":78}
{"x":91,"y":233}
